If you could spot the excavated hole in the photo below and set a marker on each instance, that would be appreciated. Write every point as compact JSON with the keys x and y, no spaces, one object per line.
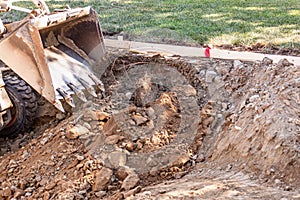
{"x":153,"y":116}
{"x":117,"y":135}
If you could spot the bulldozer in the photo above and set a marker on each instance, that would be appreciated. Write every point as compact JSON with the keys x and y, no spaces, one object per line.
{"x":46,"y":55}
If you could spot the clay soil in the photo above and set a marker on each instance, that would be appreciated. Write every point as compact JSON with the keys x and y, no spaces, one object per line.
{"x":167,"y":128}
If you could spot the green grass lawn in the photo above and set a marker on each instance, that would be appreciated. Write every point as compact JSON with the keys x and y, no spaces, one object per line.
{"x":237,"y":22}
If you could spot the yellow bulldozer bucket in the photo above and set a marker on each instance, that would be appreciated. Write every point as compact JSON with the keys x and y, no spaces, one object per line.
{"x":54,"y":53}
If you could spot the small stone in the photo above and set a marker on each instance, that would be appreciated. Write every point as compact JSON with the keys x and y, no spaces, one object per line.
{"x":200,"y":158}
{"x":267,"y":61}
{"x":131,"y":122}
{"x":28,"y":194}
{"x":185,"y":90}
{"x":85,"y":186}
{"x":46,"y":195}
{"x":179,"y":175}
{"x":277,"y":181}
{"x":82,"y":192}
{"x":113,"y":139}
{"x":100,"y":194}
{"x":102,"y":116}
{"x":123,"y":172}
{"x":18,"y":193}
{"x":78,"y":196}
{"x":80,"y":158}
{"x":102,"y":179}
{"x":44,"y":181}
{"x":130,"y":182}
{"x":254,"y":98}
{"x":112,"y":188}
{"x":260,"y":111}
{"x":139,"y":120}
{"x":154,"y":171}
{"x":90,"y":115}
{"x":79,"y":166}
{"x":76,"y":131}
{"x":237,"y":63}
{"x":23,"y":184}
{"x":6,"y":192}
{"x":150,"y":113}
{"x":50,"y":186}
{"x":284,"y":63}
{"x":44,"y":141}
{"x":128,"y":95}
{"x":130,"y":146}
{"x":132,"y":192}
{"x":117,"y":159}
{"x":237,"y":128}
{"x":87,"y":125}
{"x":210,"y":75}
{"x":155,"y":139}
{"x":181,"y":159}
{"x":25,"y":154}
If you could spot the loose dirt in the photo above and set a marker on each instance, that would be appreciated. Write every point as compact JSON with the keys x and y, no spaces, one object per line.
{"x":167,"y":128}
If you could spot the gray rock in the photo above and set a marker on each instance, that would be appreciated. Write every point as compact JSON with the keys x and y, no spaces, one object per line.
{"x":210,"y":75}
{"x":237,"y":63}
{"x":117,"y":159}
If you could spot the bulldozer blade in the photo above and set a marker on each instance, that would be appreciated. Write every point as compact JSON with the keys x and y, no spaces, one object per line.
{"x":78,"y":92}
{"x":66,"y":97}
{"x":54,"y":53}
{"x":98,"y":82}
{"x":88,"y":87}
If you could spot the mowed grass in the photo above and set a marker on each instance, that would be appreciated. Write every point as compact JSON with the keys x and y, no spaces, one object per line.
{"x":237,"y":22}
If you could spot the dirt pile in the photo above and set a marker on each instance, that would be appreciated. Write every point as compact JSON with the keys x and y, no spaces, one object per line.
{"x":168,"y":128}
{"x":262,"y":130}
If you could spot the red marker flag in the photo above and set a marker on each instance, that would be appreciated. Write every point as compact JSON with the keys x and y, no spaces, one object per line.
{"x":207,"y":52}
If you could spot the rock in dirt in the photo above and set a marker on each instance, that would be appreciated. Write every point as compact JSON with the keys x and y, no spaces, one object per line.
{"x":210,"y":75}
{"x":6,"y":192}
{"x":101,"y":116}
{"x":139,"y":120}
{"x":113,"y":139}
{"x":123,"y":172}
{"x":267,"y":61}
{"x":76,"y":131}
{"x":100,"y":194}
{"x":237,"y":63}
{"x":102,"y":179}
{"x":130,"y":182}
{"x":93,"y":115}
{"x":117,"y":159}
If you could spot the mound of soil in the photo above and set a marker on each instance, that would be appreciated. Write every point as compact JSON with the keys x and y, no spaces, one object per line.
{"x":168,"y":128}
